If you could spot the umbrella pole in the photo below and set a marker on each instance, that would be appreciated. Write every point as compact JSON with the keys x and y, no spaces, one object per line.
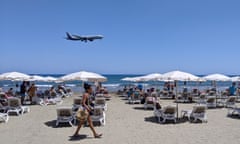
{"x":216,"y":92}
{"x":176,"y":96}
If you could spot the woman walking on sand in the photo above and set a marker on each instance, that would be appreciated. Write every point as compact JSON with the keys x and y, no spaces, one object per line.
{"x":85,"y":104}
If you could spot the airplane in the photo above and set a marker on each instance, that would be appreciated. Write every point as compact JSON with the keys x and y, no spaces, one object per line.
{"x":83,"y":38}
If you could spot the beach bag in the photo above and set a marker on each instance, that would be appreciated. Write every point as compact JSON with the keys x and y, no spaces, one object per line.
{"x":82,"y":114}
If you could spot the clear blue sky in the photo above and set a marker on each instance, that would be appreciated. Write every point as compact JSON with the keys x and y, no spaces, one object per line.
{"x":140,"y":36}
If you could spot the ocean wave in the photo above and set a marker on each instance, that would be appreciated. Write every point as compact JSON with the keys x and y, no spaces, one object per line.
{"x":70,"y":85}
{"x":111,"y":85}
{"x":43,"y":85}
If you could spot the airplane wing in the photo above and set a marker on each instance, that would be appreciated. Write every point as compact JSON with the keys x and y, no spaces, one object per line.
{"x":95,"y":37}
{"x":79,"y":37}
{"x":76,"y":36}
{"x":91,"y":39}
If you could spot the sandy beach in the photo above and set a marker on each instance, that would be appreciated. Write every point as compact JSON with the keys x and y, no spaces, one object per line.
{"x":125,"y":124}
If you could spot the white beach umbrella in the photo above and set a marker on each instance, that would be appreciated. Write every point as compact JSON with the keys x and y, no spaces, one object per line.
{"x":83,"y":76}
{"x":132,"y":79}
{"x":236,"y":78}
{"x":36,"y":78}
{"x":49,"y":79}
{"x":217,"y":77}
{"x":151,"y":77}
{"x":179,"y":76}
{"x":128,"y":79}
{"x":14,"y":76}
{"x":137,"y":79}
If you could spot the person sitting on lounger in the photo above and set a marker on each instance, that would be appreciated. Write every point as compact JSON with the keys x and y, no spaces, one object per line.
{"x":10,"y":92}
{"x":52,"y":92}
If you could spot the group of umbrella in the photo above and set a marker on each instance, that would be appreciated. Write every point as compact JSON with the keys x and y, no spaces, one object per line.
{"x":82,"y":76}
{"x":181,"y":76}
{"x":94,"y":77}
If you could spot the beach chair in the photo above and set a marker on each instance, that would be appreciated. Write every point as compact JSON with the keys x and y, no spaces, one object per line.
{"x":211,"y":92}
{"x":77,"y":103}
{"x":98,"y":116}
{"x":167,"y":113}
{"x":183,"y":98}
{"x":157,"y":109}
{"x":64,"y":115}
{"x":4,"y":117}
{"x":99,"y":95}
{"x":211,"y":102}
{"x":3,"y":98}
{"x":69,"y":92}
{"x":100,"y":102}
{"x":107,"y":96}
{"x":135,"y":98}
{"x":230,"y":102}
{"x":53,"y":101}
{"x":164,"y":94}
{"x":38,"y":100}
{"x":234,"y":111}
{"x":197,"y":113}
{"x":3,"y":109}
{"x":62,"y":94}
{"x":14,"y":106}
{"x":3,"y":113}
{"x":149,"y":102}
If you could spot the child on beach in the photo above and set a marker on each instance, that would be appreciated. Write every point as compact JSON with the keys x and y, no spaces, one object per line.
{"x":85,"y":104}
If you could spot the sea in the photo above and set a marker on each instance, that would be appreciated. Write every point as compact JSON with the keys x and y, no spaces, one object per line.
{"x":115,"y":83}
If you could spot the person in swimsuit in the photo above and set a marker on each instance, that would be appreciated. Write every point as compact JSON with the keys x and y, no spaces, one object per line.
{"x":85,"y":104}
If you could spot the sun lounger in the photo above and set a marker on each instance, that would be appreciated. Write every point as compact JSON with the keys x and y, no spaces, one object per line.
{"x":234,"y":111}
{"x":64,"y":115}
{"x":14,"y":106}
{"x":149,"y":102}
{"x":135,"y":98}
{"x":100,"y":102}
{"x":3,"y":109}
{"x":229,"y":102}
{"x":53,"y":101}
{"x":4,"y":117}
{"x":167,"y":113}
{"x":98,"y":115}
{"x":77,"y":103}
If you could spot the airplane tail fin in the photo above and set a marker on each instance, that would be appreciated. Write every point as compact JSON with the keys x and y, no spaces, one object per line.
{"x":68,"y":36}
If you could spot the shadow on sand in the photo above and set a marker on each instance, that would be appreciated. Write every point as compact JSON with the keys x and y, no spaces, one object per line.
{"x":234,"y":116}
{"x":154,"y":119}
{"x":78,"y":137}
{"x":151,"y":119}
{"x":52,"y":124}
{"x":142,"y":108}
